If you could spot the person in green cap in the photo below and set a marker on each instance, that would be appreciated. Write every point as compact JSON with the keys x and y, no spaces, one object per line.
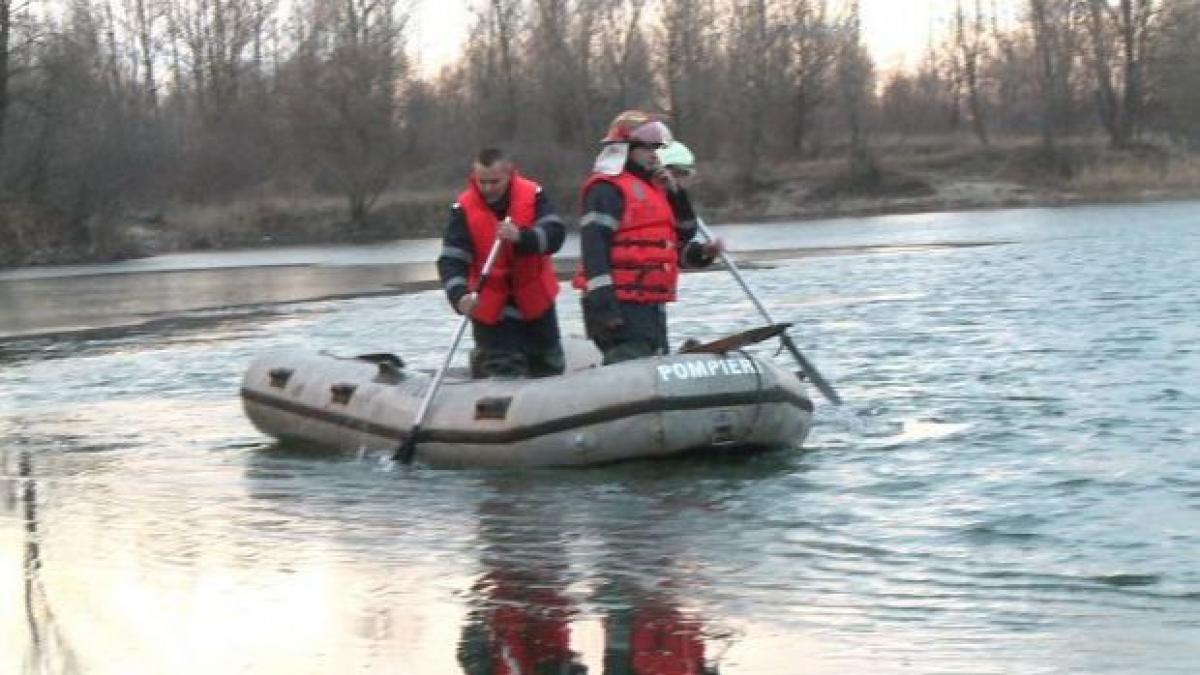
{"x":679,"y":161}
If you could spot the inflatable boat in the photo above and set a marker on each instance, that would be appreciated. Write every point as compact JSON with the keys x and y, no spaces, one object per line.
{"x":653,"y":407}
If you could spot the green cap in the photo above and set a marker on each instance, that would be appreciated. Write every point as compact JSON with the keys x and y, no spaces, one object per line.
{"x":677,"y":154}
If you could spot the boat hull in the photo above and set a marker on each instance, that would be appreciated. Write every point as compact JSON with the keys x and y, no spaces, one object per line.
{"x":645,"y":408}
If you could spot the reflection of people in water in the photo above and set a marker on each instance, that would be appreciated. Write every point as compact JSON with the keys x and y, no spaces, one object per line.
{"x":523,"y":628}
{"x":521,"y":622}
{"x":653,"y":639}
{"x":47,"y":647}
{"x":647,"y":632}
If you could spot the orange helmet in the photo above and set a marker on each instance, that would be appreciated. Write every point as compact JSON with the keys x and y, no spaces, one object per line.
{"x":636,"y":126}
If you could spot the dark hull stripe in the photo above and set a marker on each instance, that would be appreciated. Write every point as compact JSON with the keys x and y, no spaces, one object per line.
{"x":500,"y":436}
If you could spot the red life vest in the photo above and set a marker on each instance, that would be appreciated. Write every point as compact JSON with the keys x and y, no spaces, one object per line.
{"x":527,"y":278}
{"x":664,"y":642}
{"x":529,"y":628}
{"x":644,"y":260}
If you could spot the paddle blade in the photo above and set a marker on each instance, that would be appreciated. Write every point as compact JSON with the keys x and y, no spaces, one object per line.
{"x":810,"y":371}
{"x":736,"y":341}
{"x":406,"y":450}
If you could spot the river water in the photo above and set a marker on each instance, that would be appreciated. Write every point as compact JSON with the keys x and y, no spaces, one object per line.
{"x":1013,"y":485}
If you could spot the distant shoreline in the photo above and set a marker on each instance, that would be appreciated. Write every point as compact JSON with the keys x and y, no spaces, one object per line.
{"x":907,"y":179}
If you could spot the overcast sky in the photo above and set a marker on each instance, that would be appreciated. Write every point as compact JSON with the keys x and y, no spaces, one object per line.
{"x":896,"y":31}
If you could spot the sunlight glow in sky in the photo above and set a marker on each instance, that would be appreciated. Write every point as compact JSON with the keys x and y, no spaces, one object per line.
{"x":895,"y":30}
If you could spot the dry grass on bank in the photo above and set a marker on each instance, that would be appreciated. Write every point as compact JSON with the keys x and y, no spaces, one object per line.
{"x":912,"y":175}
{"x":1147,"y":178}
{"x":274,"y":221}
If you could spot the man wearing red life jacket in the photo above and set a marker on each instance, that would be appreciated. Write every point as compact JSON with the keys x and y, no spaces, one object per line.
{"x":635,"y":233}
{"x":513,"y":318}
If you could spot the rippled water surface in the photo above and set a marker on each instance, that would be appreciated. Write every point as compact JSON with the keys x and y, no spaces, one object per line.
{"x":1012,"y":487}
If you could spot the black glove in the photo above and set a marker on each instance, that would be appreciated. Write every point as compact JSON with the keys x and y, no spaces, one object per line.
{"x":601,"y":316}
{"x":697,"y":255}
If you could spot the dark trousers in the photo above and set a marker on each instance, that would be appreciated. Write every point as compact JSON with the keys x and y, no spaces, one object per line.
{"x":516,"y":348}
{"x":643,"y":333}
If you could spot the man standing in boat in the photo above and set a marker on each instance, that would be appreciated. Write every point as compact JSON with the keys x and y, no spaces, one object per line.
{"x":513,"y":317}
{"x":635,"y":233}
{"x":679,"y":161}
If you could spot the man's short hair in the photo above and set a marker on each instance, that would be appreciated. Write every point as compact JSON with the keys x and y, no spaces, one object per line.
{"x":490,"y":156}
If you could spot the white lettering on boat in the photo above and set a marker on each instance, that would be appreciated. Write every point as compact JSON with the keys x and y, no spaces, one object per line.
{"x":691,"y":370}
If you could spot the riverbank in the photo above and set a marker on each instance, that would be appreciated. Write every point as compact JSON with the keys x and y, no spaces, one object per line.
{"x":935,"y":176}
{"x":907,"y":176}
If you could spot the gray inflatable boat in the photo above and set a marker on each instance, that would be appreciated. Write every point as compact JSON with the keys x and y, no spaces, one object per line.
{"x":650,"y":407}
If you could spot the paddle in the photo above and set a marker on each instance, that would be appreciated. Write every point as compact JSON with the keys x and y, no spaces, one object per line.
{"x":408,"y":448}
{"x":733,"y":342}
{"x":809,"y":370}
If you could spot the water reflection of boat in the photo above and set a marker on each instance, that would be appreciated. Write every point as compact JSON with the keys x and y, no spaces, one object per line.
{"x":649,"y":407}
{"x":523,"y":614}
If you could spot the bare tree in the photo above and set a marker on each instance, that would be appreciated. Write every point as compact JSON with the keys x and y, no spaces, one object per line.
{"x":689,"y":65}
{"x":343,"y":96}
{"x":492,"y":68}
{"x":217,"y":38}
{"x":1175,"y":73}
{"x":937,"y":91}
{"x":758,"y":56}
{"x":17,"y":52}
{"x":1008,"y":72}
{"x":80,"y":149}
{"x":854,"y":73}
{"x":1052,"y":23}
{"x":969,"y":41}
{"x":814,"y":52}
{"x":145,"y":16}
{"x":914,"y":104}
{"x":1121,"y":37}
{"x":556,"y":51}
{"x":624,"y":53}
{"x":5,"y":37}
{"x":503,"y":23}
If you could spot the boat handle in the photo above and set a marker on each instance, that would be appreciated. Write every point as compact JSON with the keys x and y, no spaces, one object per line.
{"x":341,"y":393}
{"x":279,"y":377}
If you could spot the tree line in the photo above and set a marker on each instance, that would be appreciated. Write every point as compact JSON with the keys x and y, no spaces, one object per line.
{"x":114,"y":108}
